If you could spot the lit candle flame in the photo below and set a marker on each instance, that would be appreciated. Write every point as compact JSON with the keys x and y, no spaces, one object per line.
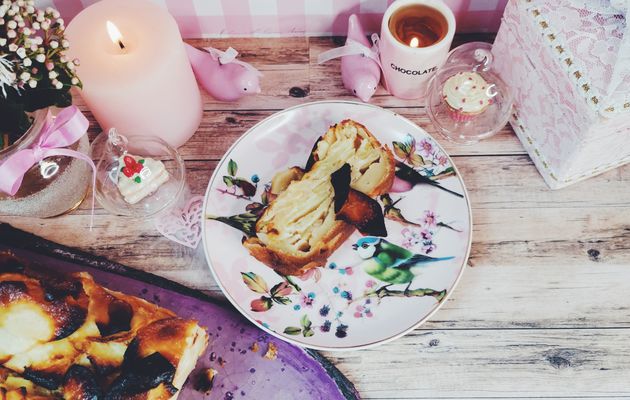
{"x":414,"y":42}
{"x":115,"y":34}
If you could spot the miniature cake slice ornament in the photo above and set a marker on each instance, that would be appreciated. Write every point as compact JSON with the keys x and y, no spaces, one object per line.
{"x":140,"y":177}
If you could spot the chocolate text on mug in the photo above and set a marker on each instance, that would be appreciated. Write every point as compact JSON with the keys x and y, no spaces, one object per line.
{"x":412,"y":72}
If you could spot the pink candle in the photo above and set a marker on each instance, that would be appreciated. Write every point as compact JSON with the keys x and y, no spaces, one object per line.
{"x":135,"y":72}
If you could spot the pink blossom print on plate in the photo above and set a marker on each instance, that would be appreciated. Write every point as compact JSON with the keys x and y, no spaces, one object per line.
{"x":372,"y":289}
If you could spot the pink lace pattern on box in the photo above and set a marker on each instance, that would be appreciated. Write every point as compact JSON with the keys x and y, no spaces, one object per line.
{"x":595,"y":47}
{"x":564,"y":134}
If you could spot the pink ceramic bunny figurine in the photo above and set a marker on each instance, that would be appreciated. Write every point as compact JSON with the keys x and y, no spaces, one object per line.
{"x":221,"y":75}
{"x":360,"y":74}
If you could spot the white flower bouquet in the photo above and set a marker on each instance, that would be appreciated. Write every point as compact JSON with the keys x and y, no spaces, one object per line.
{"x":34,"y":71}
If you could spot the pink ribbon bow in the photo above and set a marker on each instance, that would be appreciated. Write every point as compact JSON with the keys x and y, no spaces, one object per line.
{"x":57,"y":133}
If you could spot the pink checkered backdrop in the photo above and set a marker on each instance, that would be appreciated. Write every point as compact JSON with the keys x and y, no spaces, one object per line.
{"x":219,"y":18}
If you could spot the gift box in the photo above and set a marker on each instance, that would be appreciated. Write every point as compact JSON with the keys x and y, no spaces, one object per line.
{"x":568,"y":64}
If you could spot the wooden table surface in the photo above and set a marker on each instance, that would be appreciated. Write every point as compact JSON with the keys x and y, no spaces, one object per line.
{"x":543,"y":309}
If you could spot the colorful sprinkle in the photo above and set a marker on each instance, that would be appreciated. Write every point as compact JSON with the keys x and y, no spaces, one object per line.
{"x":324,"y":310}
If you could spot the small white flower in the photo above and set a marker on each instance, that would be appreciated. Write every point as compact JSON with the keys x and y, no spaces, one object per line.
{"x":3,"y":41}
{"x":34,"y":48}
{"x":12,"y":24}
{"x":30,"y":9}
{"x":49,"y":10}
{"x":54,"y":44}
{"x":65,"y":44}
{"x":75,"y":81}
{"x":27,"y":62}
{"x":21,"y":24}
{"x":53,"y":75}
{"x":63,"y":59}
{"x":36,"y":25}
{"x":39,"y":40}
{"x":40,"y":18}
{"x":10,"y":12}
{"x":76,"y":62}
{"x":1,"y":21}
{"x":55,"y":14}
{"x":45,"y":25}
{"x":40,"y":58}
{"x":3,"y":10}
{"x":13,"y":47}
{"x":58,"y":85}
{"x":70,"y":66}
{"x":32,"y":83}
{"x":20,"y":3}
{"x":11,"y":34}
{"x":21,"y":52}
{"x":26,"y":31}
{"x":25,"y":76}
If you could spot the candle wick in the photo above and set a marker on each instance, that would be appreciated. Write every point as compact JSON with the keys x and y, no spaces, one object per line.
{"x":122,"y":46}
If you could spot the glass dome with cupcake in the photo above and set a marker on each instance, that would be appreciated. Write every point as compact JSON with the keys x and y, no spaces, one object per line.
{"x":467,"y":101}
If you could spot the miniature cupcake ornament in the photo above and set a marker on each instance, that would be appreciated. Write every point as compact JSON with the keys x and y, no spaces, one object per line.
{"x":467,"y":95}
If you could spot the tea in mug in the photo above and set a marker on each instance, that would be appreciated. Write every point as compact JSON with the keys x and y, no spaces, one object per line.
{"x":418,"y":25}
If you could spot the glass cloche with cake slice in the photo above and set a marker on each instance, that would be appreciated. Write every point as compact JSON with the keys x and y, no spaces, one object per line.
{"x":137,"y":176}
{"x":467,"y":101}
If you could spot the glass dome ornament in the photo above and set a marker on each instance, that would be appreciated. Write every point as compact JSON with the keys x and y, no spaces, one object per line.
{"x":467,"y":101}
{"x":137,"y":176}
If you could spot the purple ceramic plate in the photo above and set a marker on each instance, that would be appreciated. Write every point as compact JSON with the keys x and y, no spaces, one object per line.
{"x":295,"y":374}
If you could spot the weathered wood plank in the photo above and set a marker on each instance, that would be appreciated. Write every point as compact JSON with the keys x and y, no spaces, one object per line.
{"x":529,"y":269}
{"x":511,"y":182}
{"x":219,"y":130}
{"x":501,"y":364}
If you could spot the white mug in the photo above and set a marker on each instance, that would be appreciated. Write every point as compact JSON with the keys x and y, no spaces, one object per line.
{"x":406,"y":69}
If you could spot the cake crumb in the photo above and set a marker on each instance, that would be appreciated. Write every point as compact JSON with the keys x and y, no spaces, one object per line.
{"x":206,"y":380}
{"x":254,"y":347}
{"x":272,"y":352}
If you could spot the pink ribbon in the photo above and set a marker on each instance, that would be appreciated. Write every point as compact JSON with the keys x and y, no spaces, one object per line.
{"x":57,"y":133}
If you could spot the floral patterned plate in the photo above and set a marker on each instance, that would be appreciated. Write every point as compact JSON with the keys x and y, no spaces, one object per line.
{"x":353,"y":301}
